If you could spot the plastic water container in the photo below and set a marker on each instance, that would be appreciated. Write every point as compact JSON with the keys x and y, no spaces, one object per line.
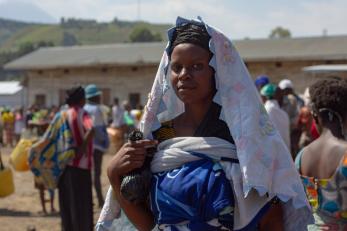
{"x":19,"y":155}
{"x":6,"y":182}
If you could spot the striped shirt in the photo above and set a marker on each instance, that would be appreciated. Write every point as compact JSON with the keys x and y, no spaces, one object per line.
{"x":80,"y":122}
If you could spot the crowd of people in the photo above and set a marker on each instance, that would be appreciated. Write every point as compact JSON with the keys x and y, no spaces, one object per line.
{"x":88,"y":120}
{"x":289,"y":112}
{"x":231,"y":153}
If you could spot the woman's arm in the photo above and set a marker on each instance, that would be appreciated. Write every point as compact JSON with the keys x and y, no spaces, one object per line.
{"x":273,"y":219}
{"x":139,"y":214}
{"x":39,"y":145}
{"x":129,"y":157}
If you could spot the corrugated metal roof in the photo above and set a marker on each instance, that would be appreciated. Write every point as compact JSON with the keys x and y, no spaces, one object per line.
{"x":9,"y":87}
{"x":310,"y":48}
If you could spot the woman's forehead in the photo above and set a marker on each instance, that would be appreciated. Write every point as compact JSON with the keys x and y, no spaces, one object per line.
{"x":189,"y":51}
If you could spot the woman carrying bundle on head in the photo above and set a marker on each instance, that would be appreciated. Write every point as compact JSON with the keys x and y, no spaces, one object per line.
{"x":219,"y":164}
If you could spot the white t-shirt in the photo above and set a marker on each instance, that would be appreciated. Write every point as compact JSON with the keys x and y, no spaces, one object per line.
{"x":117,"y":116}
{"x":280,"y":119}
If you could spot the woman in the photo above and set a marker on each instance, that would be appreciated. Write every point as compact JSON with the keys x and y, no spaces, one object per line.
{"x":202,"y":90}
{"x":70,"y":133}
{"x":307,"y":126}
{"x":8,"y":121}
{"x":19,"y":124}
{"x":322,"y":164}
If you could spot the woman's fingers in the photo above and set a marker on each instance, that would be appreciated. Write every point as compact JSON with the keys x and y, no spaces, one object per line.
{"x":131,"y":156}
{"x":144,"y":143}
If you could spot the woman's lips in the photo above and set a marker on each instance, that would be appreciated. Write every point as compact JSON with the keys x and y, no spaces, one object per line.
{"x":185,"y":87}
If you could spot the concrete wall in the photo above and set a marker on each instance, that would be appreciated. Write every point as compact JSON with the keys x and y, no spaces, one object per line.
{"x":121,"y":81}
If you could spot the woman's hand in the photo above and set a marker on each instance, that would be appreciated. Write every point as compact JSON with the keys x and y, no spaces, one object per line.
{"x":129,"y":157}
{"x":82,"y":149}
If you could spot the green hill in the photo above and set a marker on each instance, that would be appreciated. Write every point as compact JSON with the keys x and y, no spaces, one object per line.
{"x":14,"y":34}
{"x":19,"y":38}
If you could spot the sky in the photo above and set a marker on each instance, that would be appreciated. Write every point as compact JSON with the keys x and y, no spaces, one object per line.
{"x":237,"y":18}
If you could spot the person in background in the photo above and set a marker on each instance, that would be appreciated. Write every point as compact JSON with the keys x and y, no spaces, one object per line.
{"x":75,"y":184}
{"x":52,"y":112}
{"x":117,"y":114}
{"x":278,"y":116}
{"x":118,"y":126}
{"x":101,"y":141}
{"x":136,"y":114}
{"x":290,"y":101}
{"x":40,"y":186}
{"x":260,"y":82}
{"x":29,"y":114}
{"x":307,"y":126}
{"x":129,"y":118}
{"x":19,"y":124}
{"x":323,"y":163}
{"x":8,"y":121}
{"x":291,"y":104}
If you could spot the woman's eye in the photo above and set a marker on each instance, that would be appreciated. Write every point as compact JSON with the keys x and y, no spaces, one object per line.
{"x":176,"y":68}
{"x":198,"y":66}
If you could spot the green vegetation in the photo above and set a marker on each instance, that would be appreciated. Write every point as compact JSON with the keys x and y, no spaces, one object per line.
{"x":19,"y":38}
{"x":76,"y":31}
{"x":143,"y":34}
{"x":280,"y":32}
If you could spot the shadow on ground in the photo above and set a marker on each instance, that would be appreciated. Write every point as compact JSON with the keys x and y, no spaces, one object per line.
{"x":15,"y":213}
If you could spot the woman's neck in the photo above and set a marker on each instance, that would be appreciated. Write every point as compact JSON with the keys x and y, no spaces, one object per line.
{"x":330,"y":133}
{"x":334,"y":129}
{"x":194,"y":114}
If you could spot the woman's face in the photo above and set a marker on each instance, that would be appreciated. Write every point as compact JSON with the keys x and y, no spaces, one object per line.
{"x":191,"y":76}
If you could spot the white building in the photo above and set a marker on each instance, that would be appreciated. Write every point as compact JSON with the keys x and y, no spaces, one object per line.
{"x":127,"y":70}
{"x":12,"y":94}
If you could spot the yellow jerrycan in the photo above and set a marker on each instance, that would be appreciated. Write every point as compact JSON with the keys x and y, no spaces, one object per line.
{"x":19,"y":155}
{"x":6,"y":180}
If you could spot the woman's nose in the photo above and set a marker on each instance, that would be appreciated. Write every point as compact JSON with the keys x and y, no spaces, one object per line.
{"x":184,"y":74}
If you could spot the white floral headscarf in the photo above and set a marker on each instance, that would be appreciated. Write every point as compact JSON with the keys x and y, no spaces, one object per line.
{"x":266,"y":168}
{"x":265,"y":162}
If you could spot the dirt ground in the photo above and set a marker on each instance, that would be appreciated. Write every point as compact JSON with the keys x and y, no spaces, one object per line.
{"x":22,"y":209}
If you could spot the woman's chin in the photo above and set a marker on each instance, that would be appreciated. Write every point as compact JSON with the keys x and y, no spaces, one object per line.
{"x":185,"y":97}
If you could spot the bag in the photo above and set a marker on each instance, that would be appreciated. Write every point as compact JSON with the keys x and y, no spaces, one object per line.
{"x":19,"y":155}
{"x":101,"y":137}
{"x":6,"y":180}
{"x":50,"y":160}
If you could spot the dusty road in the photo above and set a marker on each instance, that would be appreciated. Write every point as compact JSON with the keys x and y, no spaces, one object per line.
{"x":23,"y":209}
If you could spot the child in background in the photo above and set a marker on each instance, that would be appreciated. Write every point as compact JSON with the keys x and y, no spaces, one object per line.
{"x":38,"y":184}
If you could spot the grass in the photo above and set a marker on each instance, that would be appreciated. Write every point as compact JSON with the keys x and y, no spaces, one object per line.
{"x":102,"y":33}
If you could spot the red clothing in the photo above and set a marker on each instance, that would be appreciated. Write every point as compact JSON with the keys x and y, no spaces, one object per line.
{"x":314,"y":130}
{"x":80,"y":122}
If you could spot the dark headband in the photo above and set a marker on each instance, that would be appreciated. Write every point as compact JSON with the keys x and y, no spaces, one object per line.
{"x":190,"y":33}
